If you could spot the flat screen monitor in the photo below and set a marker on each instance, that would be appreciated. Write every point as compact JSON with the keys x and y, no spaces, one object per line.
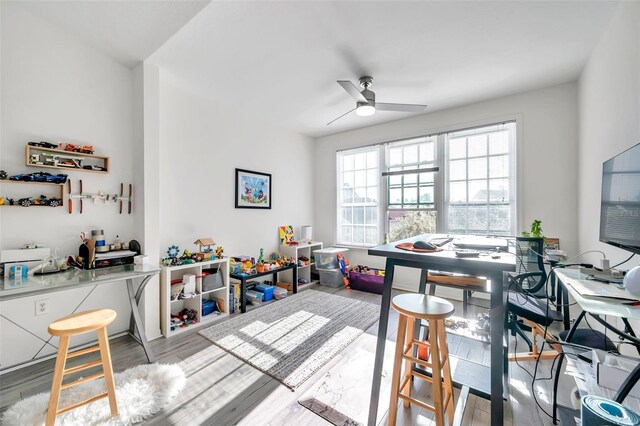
{"x":620,"y":202}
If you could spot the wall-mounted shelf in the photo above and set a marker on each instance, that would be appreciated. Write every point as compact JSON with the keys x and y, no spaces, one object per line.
{"x":57,"y":158}
{"x":59,"y":185}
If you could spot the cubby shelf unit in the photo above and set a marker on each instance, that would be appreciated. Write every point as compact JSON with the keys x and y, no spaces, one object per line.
{"x":302,"y":249}
{"x":168,"y":306}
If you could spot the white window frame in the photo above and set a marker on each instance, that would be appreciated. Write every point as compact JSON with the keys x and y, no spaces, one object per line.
{"x":440,"y":179}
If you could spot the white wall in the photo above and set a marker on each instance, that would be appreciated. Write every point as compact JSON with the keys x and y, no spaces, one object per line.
{"x":55,"y":88}
{"x":201,"y":145}
{"x":547,"y":142}
{"x":609,"y":107}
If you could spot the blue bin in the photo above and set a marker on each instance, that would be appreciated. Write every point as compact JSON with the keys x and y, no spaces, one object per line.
{"x":267,"y":290}
{"x":208,"y":307}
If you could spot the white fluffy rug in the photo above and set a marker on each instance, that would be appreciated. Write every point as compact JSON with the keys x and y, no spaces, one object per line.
{"x":140,"y":391}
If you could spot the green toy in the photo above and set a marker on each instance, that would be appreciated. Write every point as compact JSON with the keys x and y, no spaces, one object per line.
{"x":261,"y":258}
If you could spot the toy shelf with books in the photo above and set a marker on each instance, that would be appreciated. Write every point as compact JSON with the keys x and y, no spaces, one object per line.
{"x":300,"y":252}
{"x":193,"y":295}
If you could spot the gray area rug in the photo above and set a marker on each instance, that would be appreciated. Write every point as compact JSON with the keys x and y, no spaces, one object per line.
{"x":294,"y":337}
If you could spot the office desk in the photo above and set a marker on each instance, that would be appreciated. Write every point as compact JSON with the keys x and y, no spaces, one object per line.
{"x":446,"y":260}
{"x":595,"y":307}
{"x":73,"y":279}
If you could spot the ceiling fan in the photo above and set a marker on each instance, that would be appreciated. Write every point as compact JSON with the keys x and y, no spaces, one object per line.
{"x":366,"y":104}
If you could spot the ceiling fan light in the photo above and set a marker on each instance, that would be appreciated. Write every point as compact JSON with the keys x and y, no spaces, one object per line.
{"x":365,"y":110}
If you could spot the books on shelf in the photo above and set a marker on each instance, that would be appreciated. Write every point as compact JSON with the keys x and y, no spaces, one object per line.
{"x":234,"y":297}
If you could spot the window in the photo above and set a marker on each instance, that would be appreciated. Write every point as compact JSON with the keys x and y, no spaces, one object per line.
{"x":459,"y":182}
{"x":358,"y":196}
{"x":479,"y":194}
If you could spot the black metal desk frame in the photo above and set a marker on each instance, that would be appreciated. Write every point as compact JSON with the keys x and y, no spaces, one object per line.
{"x":243,"y":278}
{"x":499,"y":360}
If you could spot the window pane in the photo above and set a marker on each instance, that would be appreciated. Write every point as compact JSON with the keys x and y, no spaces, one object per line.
{"x":347,"y":196}
{"x":477,"y":145}
{"x":499,"y":190}
{"x":409,"y":224}
{"x":458,"y":192}
{"x":478,"y":168}
{"x":346,"y":234}
{"x":358,"y":215}
{"x":427,"y":151}
{"x":360,"y":178}
{"x":426,"y":195}
{"x":360,"y":161}
{"x":411,"y":179}
{"x":395,"y":156}
{"x":371,"y":235}
{"x":372,"y":194}
{"x":410,"y":195}
{"x":458,"y":148}
{"x":410,"y":154}
{"x":499,"y":218}
{"x":458,"y":219}
{"x":372,"y":159}
{"x":346,"y":216}
{"x":395,"y":196}
{"x":347,"y":162}
{"x":371,"y":216}
{"x":478,"y":191}
{"x":359,"y":195}
{"x":499,"y":166}
{"x":477,"y":219}
{"x":426,"y":178}
{"x":372,"y":177}
{"x":358,"y":234}
{"x":499,"y":142}
{"x":347,"y":180}
{"x":458,"y":169}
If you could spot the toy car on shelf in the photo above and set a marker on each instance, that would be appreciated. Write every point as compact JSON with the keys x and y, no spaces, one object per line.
{"x":95,"y":168}
{"x":40,"y":177}
{"x":84,"y":149}
{"x":42,"y":201}
{"x":43,"y":144}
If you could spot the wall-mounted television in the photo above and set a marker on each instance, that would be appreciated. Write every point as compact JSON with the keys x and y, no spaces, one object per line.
{"x":620,"y":202}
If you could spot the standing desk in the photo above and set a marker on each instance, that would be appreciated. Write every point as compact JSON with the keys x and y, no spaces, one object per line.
{"x":595,"y":307}
{"x":72,"y":278}
{"x":446,"y":260}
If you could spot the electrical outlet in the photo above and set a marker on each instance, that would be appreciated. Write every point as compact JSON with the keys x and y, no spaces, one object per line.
{"x":42,"y":306}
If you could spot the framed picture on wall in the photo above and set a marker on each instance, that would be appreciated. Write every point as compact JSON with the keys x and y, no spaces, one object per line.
{"x":253,"y":190}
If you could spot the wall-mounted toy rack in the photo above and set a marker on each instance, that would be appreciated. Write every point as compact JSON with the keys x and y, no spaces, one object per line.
{"x":38,"y":156}
{"x":60,"y":195}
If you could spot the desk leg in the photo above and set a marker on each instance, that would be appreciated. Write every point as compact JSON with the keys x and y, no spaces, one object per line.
{"x":294,"y":274}
{"x":243,"y":295}
{"x":382,"y":338}
{"x":556,"y":379}
{"x":565,"y":309}
{"x":422,"y":288}
{"x":138,"y":321}
{"x":498,"y":303}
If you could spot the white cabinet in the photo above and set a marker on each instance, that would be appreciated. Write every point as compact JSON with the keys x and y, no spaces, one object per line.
{"x":302,"y":249}
{"x":175,"y":273}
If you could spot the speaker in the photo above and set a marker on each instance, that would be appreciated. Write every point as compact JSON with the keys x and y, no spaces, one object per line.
{"x":632,"y":281}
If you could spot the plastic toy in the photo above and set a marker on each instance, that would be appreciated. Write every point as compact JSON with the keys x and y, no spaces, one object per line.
{"x":219,"y":252}
{"x":173,"y":251}
{"x":261,"y":257}
{"x":84,"y":149}
{"x":40,"y":177}
{"x":3,"y":175}
{"x":344,"y":268}
{"x":100,"y":196}
{"x":1,"y":201}
{"x":205,"y":247}
{"x":43,"y":144}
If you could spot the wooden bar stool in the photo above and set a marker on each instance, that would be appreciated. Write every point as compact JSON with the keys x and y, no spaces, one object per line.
{"x":82,"y":322}
{"x":434,"y":310}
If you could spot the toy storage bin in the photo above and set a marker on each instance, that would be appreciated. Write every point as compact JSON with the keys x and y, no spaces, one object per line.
{"x":267,"y":290}
{"x":326,"y":258}
{"x":208,"y":307}
{"x":254,"y":297}
{"x":279,"y":293}
{"x":212,"y":279}
{"x":331,"y":277}
{"x":366,"y":282}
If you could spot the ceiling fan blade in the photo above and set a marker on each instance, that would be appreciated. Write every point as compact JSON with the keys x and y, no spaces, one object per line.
{"x":400,"y":107}
{"x":336,"y":119}
{"x":352,"y":90}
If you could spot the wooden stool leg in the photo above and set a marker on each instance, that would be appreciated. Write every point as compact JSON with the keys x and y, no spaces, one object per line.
{"x":435,"y":371}
{"x":408,"y":365}
{"x":446,"y":370}
{"x":105,"y":355}
{"x":58,"y":374}
{"x":397,"y":366}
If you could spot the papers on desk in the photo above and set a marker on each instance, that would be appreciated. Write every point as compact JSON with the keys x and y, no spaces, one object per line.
{"x":596,"y":289}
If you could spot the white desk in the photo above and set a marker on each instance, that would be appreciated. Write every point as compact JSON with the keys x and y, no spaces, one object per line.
{"x":23,"y":333}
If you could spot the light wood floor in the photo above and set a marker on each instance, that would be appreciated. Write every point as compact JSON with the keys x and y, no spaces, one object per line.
{"x":223,"y":390}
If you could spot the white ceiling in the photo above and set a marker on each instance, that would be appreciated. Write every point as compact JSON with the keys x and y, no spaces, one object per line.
{"x":128,"y":31}
{"x":280,"y":60}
